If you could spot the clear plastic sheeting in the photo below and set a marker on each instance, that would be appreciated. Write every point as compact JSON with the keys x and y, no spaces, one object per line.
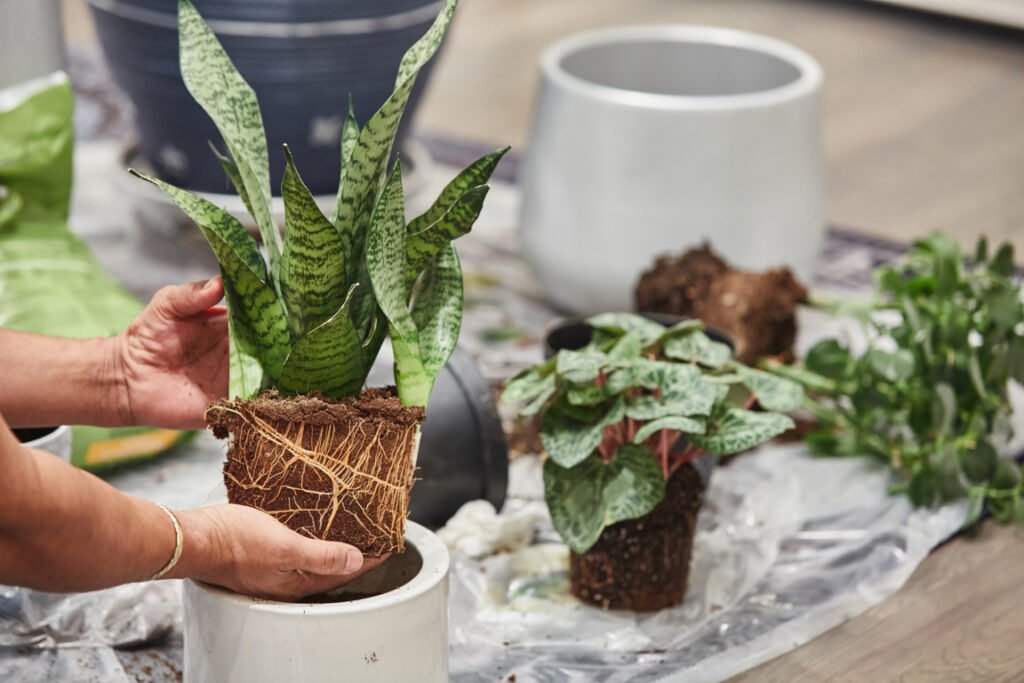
{"x":788,"y":546}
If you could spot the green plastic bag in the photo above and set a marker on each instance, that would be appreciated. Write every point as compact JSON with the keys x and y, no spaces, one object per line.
{"x":49,"y":282}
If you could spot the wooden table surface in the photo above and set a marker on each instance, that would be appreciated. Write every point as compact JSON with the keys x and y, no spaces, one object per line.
{"x":924,"y":129}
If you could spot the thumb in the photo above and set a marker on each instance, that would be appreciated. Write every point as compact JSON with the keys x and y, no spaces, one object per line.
{"x":185,"y":301}
{"x":328,"y":558}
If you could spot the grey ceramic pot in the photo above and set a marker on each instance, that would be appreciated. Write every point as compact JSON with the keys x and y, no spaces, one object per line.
{"x":302,"y":57}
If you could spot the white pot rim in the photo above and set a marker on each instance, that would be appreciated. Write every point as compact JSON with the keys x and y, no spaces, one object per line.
{"x":808,"y":80}
{"x":434,"y":570}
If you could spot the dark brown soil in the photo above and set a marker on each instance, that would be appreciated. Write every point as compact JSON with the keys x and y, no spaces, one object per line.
{"x":336,"y":470}
{"x":758,"y":310}
{"x":643,"y":564}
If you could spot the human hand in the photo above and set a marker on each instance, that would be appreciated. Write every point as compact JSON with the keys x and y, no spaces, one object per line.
{"x":173,"y":358}
{"x":251,"y":553}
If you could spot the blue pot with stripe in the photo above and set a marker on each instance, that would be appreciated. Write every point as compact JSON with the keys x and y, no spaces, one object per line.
{"x":304,"y":58}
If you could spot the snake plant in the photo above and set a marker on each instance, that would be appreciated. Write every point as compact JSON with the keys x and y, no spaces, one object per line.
{"x":313,"y":315}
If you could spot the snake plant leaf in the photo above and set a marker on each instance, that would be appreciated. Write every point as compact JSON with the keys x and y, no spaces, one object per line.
{"x":245,"y":374}
{"x":385,"y":260}
{"x":472,"y":177}
{"x":774,"y":393}
{"x":314,"y":260}
{"x":591,"y":496}
{"x":230,"y":102}
{"x":11,"y":205}
{"x":259,"y":319}
{"x":569,"y":440}
{"x":327,"y":358}
{"x":625,"y":323}
{"x":457,"y":221}
{"x":367,"y":166}
{"x":437,"y":310}
{"x":233,"y":174}
{"x":738,"y":429}
{"x":675,"y":423}
{"x":697,"y":347}
{"x":349,"y":138}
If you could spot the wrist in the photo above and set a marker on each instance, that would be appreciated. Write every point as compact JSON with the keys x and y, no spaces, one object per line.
{"x":112,"y":378}
{"x":200,"y":539}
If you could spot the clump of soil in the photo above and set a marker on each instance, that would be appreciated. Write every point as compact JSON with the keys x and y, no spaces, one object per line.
{"x":758,"y":310}
{"x":334,"y":470}
{"x":643,"y":564}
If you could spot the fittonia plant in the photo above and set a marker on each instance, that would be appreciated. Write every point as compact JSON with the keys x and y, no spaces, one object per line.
{"x":313,"y":319}
{"x":613,"y":414}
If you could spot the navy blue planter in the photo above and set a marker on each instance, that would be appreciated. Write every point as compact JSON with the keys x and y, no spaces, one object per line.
{"x":302,"y":57}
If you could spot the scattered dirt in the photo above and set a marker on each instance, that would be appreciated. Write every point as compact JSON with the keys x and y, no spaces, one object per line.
{"x":758,"y":310}
{"x":523,"y":437}
{"x":643,"y":564}
{"x":336,"y":470}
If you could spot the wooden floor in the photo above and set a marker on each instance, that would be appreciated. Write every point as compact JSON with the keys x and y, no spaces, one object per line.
{"x":924,"y":129}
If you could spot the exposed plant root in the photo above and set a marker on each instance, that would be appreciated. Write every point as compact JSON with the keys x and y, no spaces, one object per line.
{"x":344,"y":477}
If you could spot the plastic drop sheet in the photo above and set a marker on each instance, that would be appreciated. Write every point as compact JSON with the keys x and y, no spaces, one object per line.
{"x":788,"y":546}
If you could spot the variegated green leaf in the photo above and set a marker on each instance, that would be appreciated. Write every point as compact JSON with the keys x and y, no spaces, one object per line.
{"x":773,"y":392}
{"x":457,"y":221}
{"x":528,"y":383}
{"x":473,"y":176}
{"x":640,"y":372}
{"x":586,"y":395}
{"x":541,"y":398}
{"x":313,"y":265}
{"x":579,"y":366}
{"x":738,"y":430}
{"x":327,"y":359}
{"x":622,"y":323}
{"x":259,"y":320}
{"x":228,"y":99}
{"x":437,"y":310}
{"x":676,"y":423}
{"x":569,"y":440}
{"x":349,"y":138}
{"x":245,"y":374}
{"x":591,"y":496}
{"x":385,"y":260}
{"x":628,"y":347}
{"x":367,"y":166}
{"x":697,"y":347}
{"x":231,"y":171}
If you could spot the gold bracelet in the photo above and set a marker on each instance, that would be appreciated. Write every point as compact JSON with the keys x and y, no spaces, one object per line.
{"x":179,"y":541}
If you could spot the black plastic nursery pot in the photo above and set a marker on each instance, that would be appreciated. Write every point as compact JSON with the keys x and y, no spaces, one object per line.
{"x":302,"y":57}
{"x":640,"y":564}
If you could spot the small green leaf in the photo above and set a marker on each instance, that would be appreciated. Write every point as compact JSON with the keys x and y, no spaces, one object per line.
{"x":773,"y":392}
{"x":697,"y":347}
{"x":891,"y":366}
{"x":739,"y":430}
{"x":568,"y":440}
{"x":580,"y":366}
{"x":828,"y":359}
{"x":628,"y":323}
{"x":1002,"y":262}
{"x":586,"y":395}
{"x":979,"y":465}
{"x":677,"y":423}
{"x":981,"y":250}
{"x":944,"y":407}
{"x":587,"y":498}
{"x":528,"y":383}
{"x":1007,"y":476}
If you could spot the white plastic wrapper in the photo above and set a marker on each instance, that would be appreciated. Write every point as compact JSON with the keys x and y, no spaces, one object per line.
{"x":788,"y":546}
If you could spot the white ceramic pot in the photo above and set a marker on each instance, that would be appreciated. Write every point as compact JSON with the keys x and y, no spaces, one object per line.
{"x":652,"y":139}
{"x":55,"y":440}
{"x":399,"y":636}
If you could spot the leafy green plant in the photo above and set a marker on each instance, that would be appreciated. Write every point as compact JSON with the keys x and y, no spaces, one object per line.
{"x":613,"y":412}
{"x":929,"y":395}
{"x":313,"y":316}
